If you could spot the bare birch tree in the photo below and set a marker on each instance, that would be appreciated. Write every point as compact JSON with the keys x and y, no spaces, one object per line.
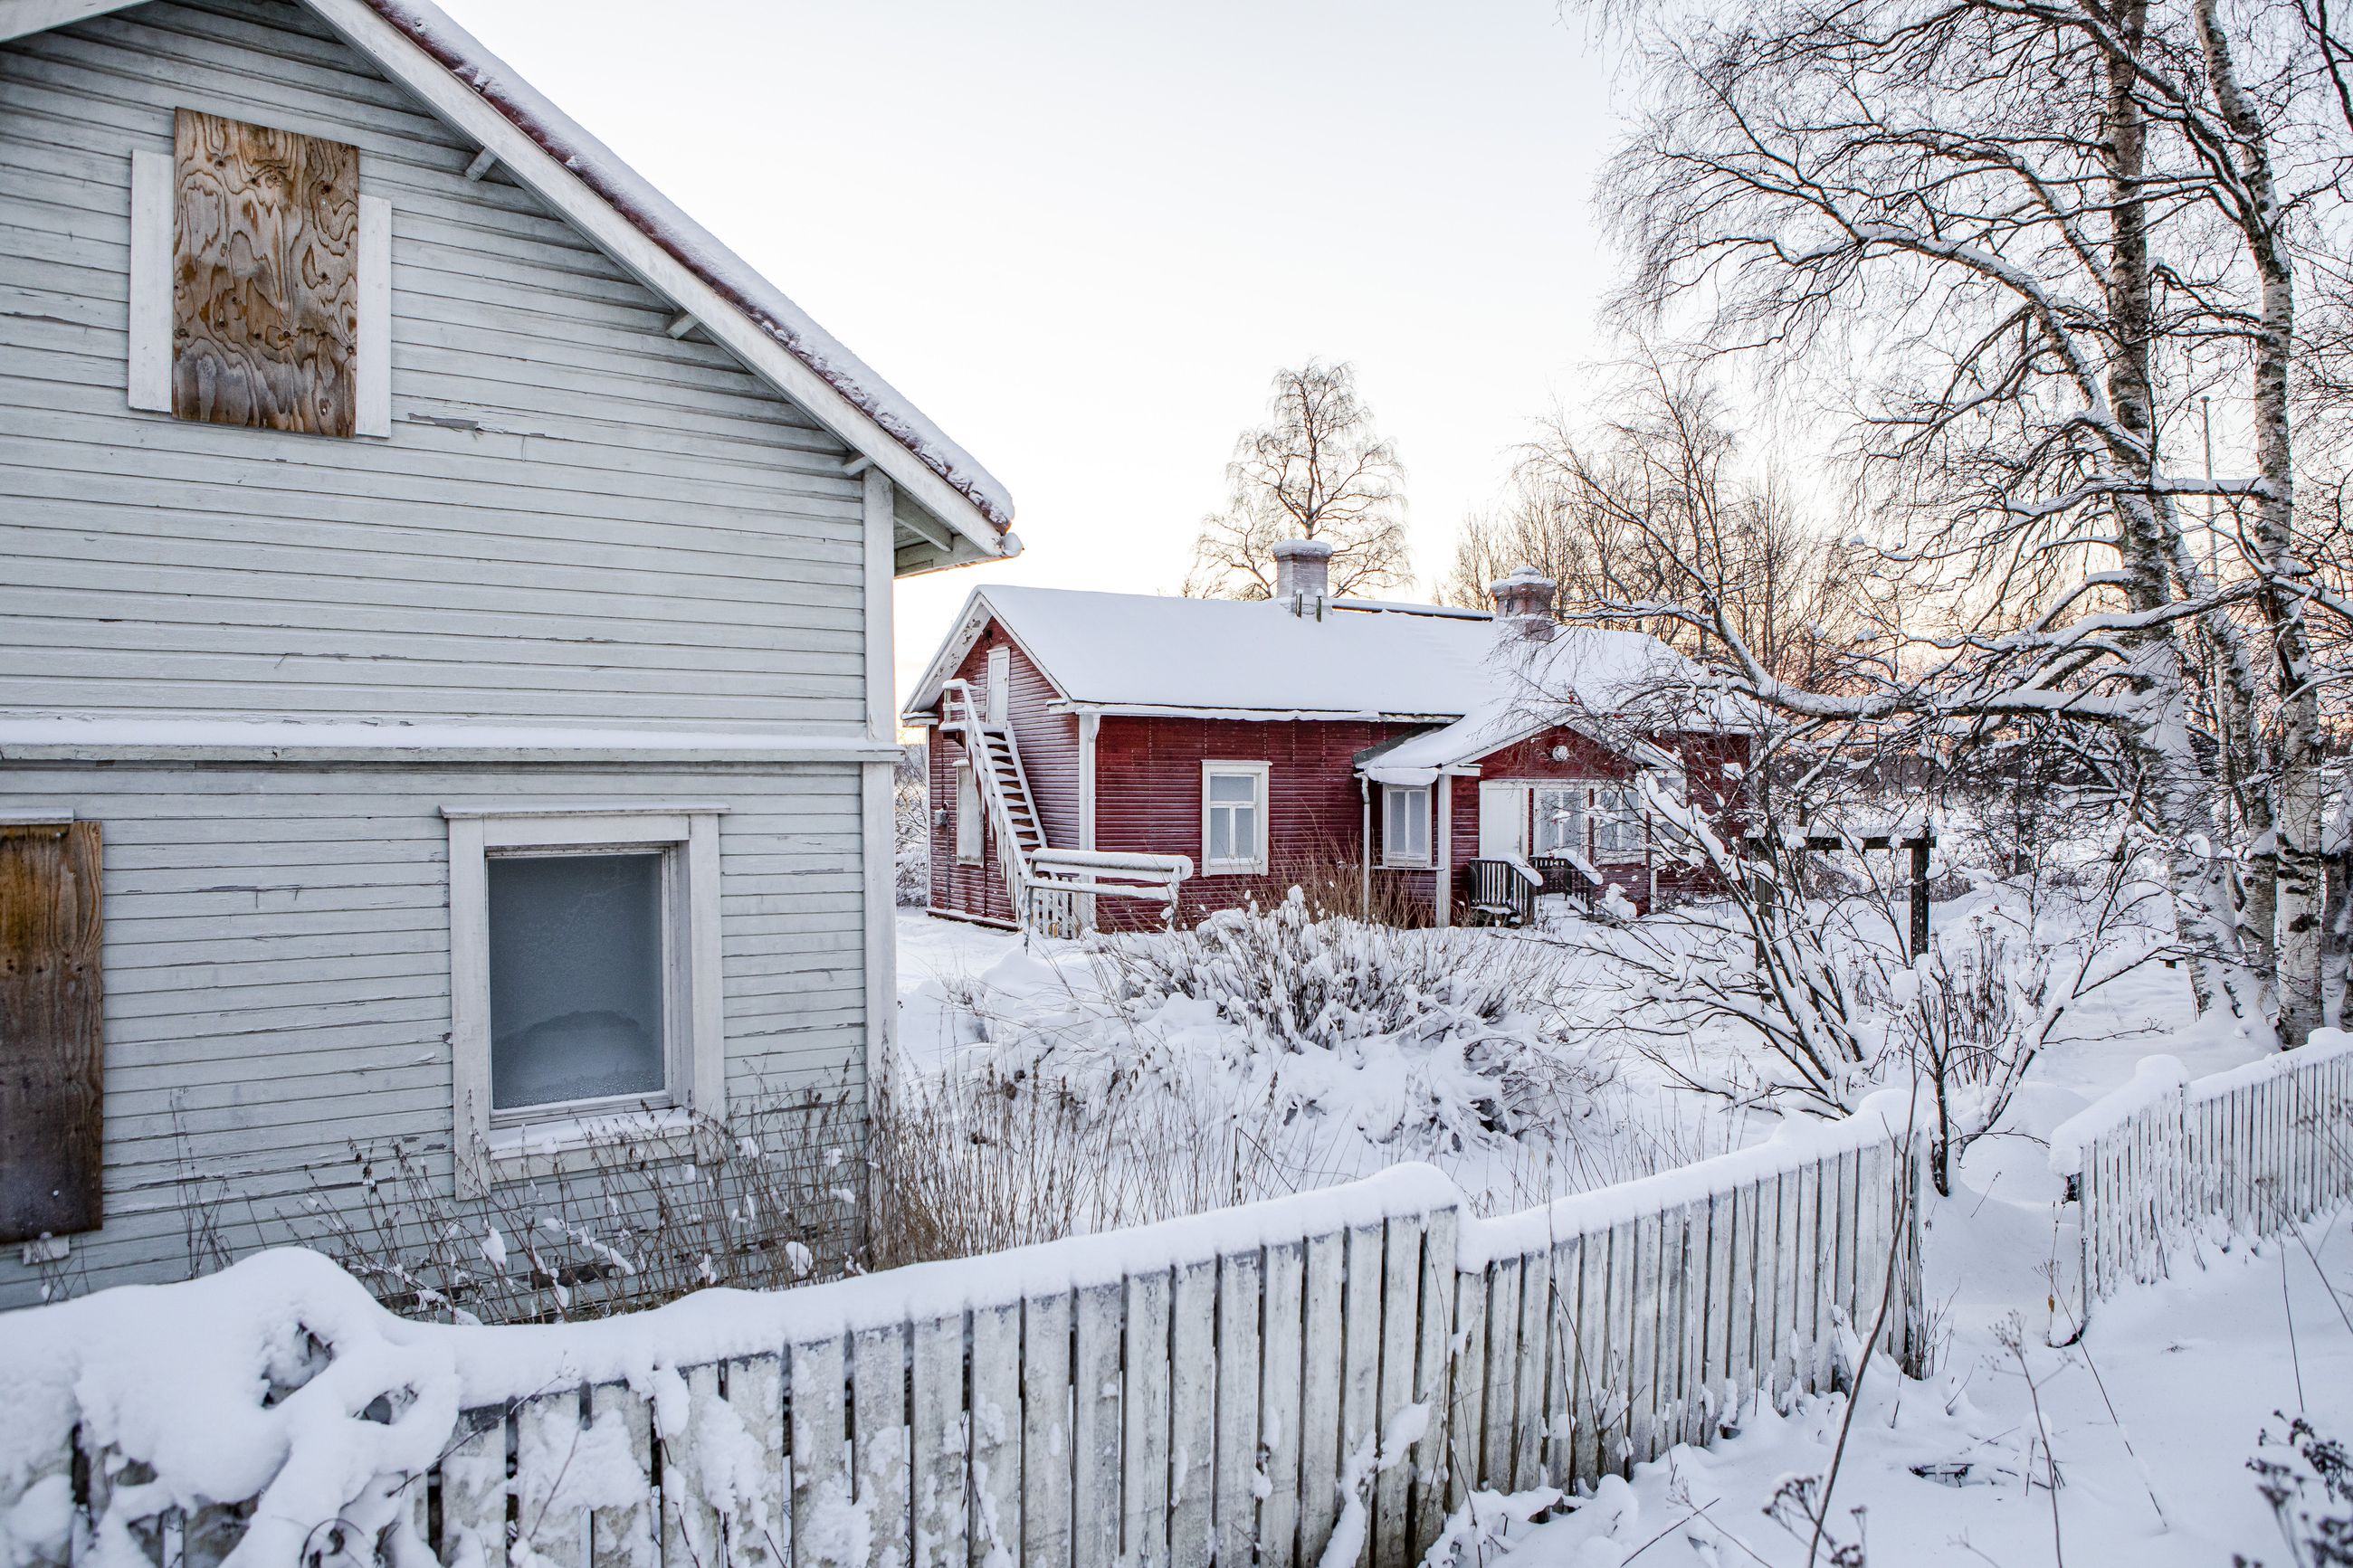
{"x":1316,"y":470}
{"x":2015,"y":235}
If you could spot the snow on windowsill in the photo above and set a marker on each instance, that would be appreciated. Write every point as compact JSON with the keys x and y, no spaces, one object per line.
{"x":546,"y":1147}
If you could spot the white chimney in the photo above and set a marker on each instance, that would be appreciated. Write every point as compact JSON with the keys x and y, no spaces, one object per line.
{"x":1524,"y":604}
{"x":1303,"y":575}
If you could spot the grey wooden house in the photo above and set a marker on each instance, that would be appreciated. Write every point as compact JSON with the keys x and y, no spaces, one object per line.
{"x":445,"y":644}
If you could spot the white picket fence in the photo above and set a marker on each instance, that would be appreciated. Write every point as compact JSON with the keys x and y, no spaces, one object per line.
{"x":2167,"y":1158}
{"x":1239,"y":1387}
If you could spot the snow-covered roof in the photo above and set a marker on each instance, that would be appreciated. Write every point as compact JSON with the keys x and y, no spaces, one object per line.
{"x":664,"y":223}
{"x":1249,"y":659}
{"x":1584,"y":677}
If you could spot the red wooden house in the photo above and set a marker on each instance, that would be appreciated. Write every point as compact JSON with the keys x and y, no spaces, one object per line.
{"x":1455,"y":762}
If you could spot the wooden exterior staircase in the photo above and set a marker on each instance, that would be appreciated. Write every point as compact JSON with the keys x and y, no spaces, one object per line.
{"x":1052,"y":892}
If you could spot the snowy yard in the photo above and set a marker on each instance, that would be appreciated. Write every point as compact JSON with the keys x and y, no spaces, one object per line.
{"x":2149,"y":1421}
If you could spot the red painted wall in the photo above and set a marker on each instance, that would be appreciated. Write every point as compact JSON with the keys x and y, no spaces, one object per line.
{"x":1048,"y":744}
{"x":1148,"y":795}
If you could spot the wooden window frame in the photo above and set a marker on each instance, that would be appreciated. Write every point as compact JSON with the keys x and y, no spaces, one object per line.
{"x":149,"y":368}
{"x":1260,"y":773}
{"x":492,"y":1145}
{"x":1389,"y":853}
{"x":971,"y":842}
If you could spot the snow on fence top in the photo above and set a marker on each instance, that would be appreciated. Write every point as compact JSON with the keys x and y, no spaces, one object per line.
{"x":280,"y":1390}
{"x":2159,"y":1077}
{"x":2325,"y":1045}
{"x":1885,"y":1115}
{"x":152,"y":1369}
{"x":2154,"y":1081}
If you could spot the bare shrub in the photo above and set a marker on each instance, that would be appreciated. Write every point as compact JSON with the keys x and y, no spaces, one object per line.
{"x":649,"y":1211}
{"x":1290,"y":982}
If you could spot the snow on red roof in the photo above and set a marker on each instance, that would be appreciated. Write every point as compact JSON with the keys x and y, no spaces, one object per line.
{"x":1225,"y":655}
{"x":663,"y":222}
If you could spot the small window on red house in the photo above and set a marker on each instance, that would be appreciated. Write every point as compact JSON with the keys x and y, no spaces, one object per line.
{"x":968,"y":815}
{"x":1405,"y":824}
{"x":1233,"y":817}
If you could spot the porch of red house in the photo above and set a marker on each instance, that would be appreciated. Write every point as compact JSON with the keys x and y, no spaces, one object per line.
{"x":1508,"y":892}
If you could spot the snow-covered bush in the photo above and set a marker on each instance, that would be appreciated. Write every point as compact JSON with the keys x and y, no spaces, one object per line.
{"x":1481,"y":1005}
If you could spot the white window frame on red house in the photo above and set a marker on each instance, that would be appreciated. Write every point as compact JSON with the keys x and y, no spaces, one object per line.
{"x":1624,"y":820}
{"x":1234,"y":865}
{"x":1580,"y":814}
{"x":1406,"y":807}
{"x":970,"y":849}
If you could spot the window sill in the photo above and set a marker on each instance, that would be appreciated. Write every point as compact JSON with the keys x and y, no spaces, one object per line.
{"x":560,"y":1145}
{"x":1233,"y":872}
{"x":1405,"y":865}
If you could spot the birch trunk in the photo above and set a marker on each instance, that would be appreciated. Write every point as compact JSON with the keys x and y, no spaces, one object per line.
{"x":2297,"y":931}
{"x":2185,"y":802}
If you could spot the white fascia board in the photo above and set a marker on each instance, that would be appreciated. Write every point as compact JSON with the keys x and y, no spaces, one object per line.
{"x":532,"y":167}
{"x":23,"y":18}
{"x":977,"y":614}
{"x":969,"y":620}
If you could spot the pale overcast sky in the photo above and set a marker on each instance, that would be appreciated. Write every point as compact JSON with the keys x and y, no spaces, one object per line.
{"x":1083,"y":237}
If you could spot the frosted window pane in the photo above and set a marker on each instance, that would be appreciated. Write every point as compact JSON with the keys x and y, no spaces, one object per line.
{"x":576,"y":977}
{"x":1237,"y":787}
{"x":1245,"y":833}
{"x":1221,"y":836}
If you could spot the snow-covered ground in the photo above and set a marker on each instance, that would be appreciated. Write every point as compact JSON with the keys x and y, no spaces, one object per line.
{"x":2149,"y":1418}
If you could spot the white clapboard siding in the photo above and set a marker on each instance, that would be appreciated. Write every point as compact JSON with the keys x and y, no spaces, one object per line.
{"x":2248,"y":1151}
{"x":574,"y":517}
{"x":1188,"y":1393}
{"x":288,"y":993}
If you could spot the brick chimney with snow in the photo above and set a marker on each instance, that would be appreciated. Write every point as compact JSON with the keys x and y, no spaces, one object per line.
{"x":1303,"y":575}
{"x":1524,"y":604}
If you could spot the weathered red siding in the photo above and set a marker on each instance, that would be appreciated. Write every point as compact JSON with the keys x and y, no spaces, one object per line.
{"x":1705,"y":761}
{"x":1148,"y":795}
{"x":1048,"y":744}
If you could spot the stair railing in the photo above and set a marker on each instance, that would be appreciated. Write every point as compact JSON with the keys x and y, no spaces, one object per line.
{"x":1055,"y":891}
{"x":957,"y":695}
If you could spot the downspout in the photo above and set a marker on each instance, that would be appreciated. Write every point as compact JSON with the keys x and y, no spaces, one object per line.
{"x":1364,"y":850}
{"x":1442,"y":892}
{"x":1090,"y":724}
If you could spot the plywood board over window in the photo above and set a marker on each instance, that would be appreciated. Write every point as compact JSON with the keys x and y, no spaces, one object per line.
{"x":51,"y":1048}
{"x":265,"y":276}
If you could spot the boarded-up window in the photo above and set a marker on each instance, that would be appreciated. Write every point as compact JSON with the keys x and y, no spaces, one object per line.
{"x":51,"y":1056}
{"x":265,"y":276}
